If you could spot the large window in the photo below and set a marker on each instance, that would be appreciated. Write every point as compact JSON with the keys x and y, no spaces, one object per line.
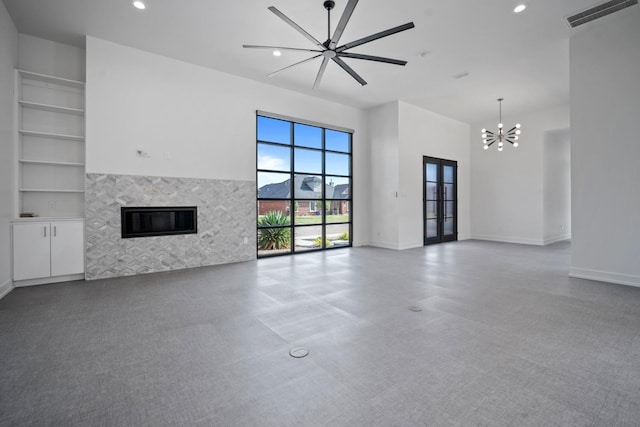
{"x":304,"y":187}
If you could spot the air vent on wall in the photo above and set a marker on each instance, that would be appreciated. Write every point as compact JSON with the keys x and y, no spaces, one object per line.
{"x":599,"y":11}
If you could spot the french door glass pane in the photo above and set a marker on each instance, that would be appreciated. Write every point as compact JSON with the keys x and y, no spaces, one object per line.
{"x":448,"y":210}
{"x":336,"y":164}
{"x":432,"y":228}
{"x":274,"y":212}
{"x":432,"y":210}
{"x":338,"y":211}
{"x":274,"y":240}
{"x":307,"y":212}
{"x":274,"y":130}
{"x":338,"y":235}
{"x":307,"y":136}
{"x":336,"y":141}
{"x":447,"y":174}
{"x":432,"y":191}
{"x":448,"y":227}
{"x":274,"y":157}
{"x":308,"y":161}
{"x":274,"y":185}
{"x":308,"y":238}
{"x":432,"y":172}
{"x":448,"y":188}
{"x":307,"y":187}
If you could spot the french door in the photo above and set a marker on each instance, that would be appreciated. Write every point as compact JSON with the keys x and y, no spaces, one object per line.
{"x":440,"y":200}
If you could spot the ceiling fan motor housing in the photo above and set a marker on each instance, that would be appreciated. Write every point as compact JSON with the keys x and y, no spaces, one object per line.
{"x":329,"y":4}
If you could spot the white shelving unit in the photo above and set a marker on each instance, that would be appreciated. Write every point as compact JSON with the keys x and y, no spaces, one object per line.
{"x":51,"y":149}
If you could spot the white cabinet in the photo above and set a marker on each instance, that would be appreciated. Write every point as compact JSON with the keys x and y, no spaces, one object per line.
{"x":50,"y":145}
{"x":67,"y":248}
{"x":45,"y":252}
{"x":31,"y":251}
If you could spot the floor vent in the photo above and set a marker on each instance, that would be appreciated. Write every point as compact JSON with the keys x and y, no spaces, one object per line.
{"x":599,"y":11}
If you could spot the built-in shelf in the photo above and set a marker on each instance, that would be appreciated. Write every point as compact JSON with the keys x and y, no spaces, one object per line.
{"x":42,"y":190}
{"x":52,"y":108}
{"x":50,"y":150}
{"x":50,"y":79}
{"x":51,"y":135}
{"x":47,"y":162}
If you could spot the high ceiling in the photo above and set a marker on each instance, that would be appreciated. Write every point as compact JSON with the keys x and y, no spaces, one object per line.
{"x":521,"y":57}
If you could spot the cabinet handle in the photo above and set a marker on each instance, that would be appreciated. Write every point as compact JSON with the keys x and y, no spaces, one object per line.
{"x":55,"y":231}
{"x":45,"y":231}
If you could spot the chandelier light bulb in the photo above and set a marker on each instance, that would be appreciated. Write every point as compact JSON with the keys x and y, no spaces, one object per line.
{"x":500,"y":125}
{"x":483,"y":130}
{"x":484,"y":135}
{"x":515,"y":138}
{"x":486,"y":147}
{"x":515,"y":144}
{"x":499,"y":148}
{"x":500,"y":144}
{"x":139,"y":5}
{"x":518,"y":126}
{"x":518,"y":132}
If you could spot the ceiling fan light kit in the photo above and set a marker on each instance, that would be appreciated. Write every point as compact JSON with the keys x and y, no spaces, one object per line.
{"x":330,"y":50}
{"x":511,"y":136}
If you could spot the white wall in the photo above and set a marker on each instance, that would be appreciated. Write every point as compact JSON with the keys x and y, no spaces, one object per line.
{"x":382,"y":123}
{"x":556,"y":169}
{"x":8,"y":61}
{"x":202,"y":119}
{"x":507,"y":187}
{"x":423,"y":133}
{"x":47,"y":57}
{"x":401,"y":134}
{"x":605,"y":149}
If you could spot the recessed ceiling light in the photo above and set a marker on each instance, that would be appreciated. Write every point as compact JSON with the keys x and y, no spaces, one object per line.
{"x":520,"y":8}
{"x":277,"y":53}
{"x":139,"y":5}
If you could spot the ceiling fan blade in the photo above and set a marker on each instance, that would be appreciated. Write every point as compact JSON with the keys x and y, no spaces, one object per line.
{"x":376,"y":36}
{"x":254,"y":46}
{"x":297,"y":27}
{"x":344,"y":19}
{"x":372,"y":58}
{"x":349,"y":70}
{"x":323,"y":66}
{"x":293,"y":65}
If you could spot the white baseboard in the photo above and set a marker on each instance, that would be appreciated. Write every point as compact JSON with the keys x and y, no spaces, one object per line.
{"x":384,"y":245}
{"x":605,"y":276}
{"x":518,"y":240}
{"x":558,"y":238}
{"x":5,"y":288}
{"x":46,"y":280}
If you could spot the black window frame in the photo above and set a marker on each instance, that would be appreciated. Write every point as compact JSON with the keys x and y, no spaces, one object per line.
{"x":291,"y":199}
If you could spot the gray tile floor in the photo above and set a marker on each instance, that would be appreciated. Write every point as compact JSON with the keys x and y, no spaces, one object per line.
{"x":504,"y":338}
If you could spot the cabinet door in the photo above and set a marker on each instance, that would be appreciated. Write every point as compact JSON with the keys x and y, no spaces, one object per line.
{"x":67,"y":248}
{"x":31,"y":251}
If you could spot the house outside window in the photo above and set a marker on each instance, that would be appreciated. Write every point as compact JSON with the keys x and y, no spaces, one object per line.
{"x":304,"y":180}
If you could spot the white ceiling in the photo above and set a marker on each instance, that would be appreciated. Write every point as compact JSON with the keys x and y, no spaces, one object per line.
{"x":523,"y":58}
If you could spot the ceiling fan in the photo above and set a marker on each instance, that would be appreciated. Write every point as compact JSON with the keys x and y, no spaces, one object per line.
{"x":329,"y":50}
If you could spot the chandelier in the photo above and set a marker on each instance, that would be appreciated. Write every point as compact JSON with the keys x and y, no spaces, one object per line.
{"x":511,"y":136}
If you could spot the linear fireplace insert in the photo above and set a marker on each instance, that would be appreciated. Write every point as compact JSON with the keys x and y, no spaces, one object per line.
{"x":158,"y":221}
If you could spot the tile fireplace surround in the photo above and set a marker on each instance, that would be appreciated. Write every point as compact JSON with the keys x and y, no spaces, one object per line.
{"x":226,"y":215}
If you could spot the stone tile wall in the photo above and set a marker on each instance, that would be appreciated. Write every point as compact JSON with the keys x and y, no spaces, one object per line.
{"x":226,"y":215}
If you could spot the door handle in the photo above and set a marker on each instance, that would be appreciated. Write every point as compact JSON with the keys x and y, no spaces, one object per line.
{"x":445,"y":204}
{"x":45,"y":230}
{"x":55,"y":231}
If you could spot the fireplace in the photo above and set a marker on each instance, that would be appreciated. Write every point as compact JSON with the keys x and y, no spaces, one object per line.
{"x":158,"y":221}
